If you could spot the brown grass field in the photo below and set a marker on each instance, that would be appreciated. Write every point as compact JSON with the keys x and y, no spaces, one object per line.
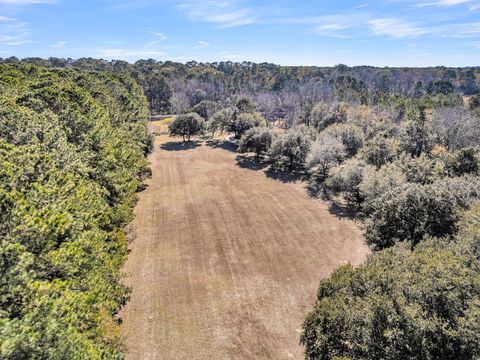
{"x":227,"y":259}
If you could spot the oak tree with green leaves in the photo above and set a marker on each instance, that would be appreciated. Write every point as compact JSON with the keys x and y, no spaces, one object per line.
{"x":186,"y":126}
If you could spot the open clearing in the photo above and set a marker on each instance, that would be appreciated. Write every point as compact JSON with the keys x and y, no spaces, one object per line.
{"x":227,"y":260}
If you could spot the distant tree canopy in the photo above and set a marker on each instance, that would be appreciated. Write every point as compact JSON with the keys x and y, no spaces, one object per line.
{"x":280,"y":91}
{"x":206,"y":109}
{"x":72,"y":153}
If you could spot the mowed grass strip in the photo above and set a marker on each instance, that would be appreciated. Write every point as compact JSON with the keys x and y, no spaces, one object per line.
{"x":227,"y":260}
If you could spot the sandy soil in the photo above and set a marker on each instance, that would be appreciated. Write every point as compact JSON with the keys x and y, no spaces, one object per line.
{"x":227,"y":259}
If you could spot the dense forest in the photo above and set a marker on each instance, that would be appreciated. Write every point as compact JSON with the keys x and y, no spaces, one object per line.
{"x":72,"y":154}
{"x":280,"y":92}
{"x":397,"y":148}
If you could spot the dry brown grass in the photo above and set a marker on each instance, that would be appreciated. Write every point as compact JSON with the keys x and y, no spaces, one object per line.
{"x":227,"y":260}
{"x":160,"y":127}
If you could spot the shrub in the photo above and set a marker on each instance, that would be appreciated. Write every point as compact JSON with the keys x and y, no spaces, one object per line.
{"x":376,"y":182}
{"x":234,"y":121}
{"x":416,"y":136}
{"x":351,"y":136}
{"x":422,"y":169}
{"x":257,"y":140}
{"x":244,"y":122}
{"x":246,"y":105}
{"x":324,"y":154}
{"x":464,"y":161}
{"x":414,"y":211}
{"x":380,"y":150}
{"x":346,"y":179}
{"x":219,"y":120}
{"x":323,"y":116}
{"x":291,"y":149}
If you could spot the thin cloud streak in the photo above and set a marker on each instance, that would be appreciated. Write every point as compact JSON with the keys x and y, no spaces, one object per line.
{"x":445,"y":3}
{"x":352,"y":24}
{"x":14,"y":32}
{"x":396,"y":28}
{"x":161,"y":36}
{"x":27,"y":2}
{"x":59,"y":44}
{"x":226,"y":14}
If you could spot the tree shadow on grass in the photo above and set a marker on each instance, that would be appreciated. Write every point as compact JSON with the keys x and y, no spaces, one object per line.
{"x":316,"y":190}
{"x":222,"y":144}
{"x":248,"y":162}
{"x":342,"y":212}
{"x":180,"y":145}
{"x":285,"y":177}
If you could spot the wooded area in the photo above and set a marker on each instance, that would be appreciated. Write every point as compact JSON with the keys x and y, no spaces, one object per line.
{"x":72,"y":154}
{"x":396,"y":148}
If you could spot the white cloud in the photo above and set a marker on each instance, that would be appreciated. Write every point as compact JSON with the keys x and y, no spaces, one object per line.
{"x":17,"y":42}
{"x":361,"y":6}
{"x":59,"y":44}
{"x":446,"y":3}
{"x":396,"y":28}
{"x":13,"y":32}
{"x":161,"y":36}
{"x":27,"y":2}
{"x":467,"y":30}
{"x":224,"y":13}
{"x":232,"y":18}
{"x":201,"y":44}
{"x":336,"y":25}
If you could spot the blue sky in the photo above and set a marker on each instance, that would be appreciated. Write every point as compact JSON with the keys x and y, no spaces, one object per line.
{"x":287,"y":32}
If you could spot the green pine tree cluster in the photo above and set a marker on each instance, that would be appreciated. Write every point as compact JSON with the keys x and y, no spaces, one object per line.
{"x":72,"y":155}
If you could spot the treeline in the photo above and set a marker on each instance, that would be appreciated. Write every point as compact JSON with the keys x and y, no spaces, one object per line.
{"x":72,"y":154}
{"x":279,"y":91}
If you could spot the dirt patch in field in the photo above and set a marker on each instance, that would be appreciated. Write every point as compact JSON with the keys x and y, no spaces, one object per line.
{"x":227,"y":259}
